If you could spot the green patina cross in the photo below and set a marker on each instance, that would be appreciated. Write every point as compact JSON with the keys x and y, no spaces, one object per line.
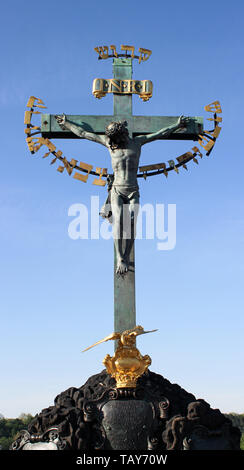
{"x":124,"y":287}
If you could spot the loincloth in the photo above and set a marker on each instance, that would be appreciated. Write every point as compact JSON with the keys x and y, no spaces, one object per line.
{"x":126,"y":192}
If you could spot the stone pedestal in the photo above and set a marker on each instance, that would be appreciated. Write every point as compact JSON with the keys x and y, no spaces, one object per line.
{"x":156,"y":415}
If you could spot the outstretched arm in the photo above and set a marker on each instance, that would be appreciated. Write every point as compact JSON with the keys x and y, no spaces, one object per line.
{"x":65,"y":124}
{"x":144,"y":139}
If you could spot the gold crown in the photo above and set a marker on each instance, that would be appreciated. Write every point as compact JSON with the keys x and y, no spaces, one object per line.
{"x":127,"y":364}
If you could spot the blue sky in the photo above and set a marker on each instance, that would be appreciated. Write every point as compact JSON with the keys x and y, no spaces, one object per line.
{"x":57,"y":293}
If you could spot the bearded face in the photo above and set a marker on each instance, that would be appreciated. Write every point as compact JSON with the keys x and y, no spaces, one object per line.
{"x":117,"y":133}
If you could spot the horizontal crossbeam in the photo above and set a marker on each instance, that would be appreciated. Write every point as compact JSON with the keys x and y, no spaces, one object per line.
{"x":137,"y":125}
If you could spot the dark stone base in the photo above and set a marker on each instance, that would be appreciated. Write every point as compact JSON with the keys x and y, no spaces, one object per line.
{"x":157,"y":415}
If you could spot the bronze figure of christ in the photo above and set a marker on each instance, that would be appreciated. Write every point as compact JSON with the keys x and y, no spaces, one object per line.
{"x":124,"y":194}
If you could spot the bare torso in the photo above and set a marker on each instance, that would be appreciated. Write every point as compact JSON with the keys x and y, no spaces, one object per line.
{"x":125,"y":163}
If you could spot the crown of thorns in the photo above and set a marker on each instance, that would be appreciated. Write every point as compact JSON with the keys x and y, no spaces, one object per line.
{"x":116,"y":128}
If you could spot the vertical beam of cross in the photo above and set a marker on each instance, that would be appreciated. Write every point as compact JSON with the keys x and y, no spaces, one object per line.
{"x":124,"y":287}
{"x":122,"y":70}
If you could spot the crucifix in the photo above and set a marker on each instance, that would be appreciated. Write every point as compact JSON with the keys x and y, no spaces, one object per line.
{"x":118,"y":415}
{"x":123,"y":134}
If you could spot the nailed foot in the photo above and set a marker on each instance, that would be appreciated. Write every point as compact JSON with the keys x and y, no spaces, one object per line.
{"x":122,"y":267}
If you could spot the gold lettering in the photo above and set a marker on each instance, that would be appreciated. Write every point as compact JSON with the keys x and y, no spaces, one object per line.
{"x":99,"y":181}
{"x":146,"y":92}
{"x":215,"y":133}
{"x":69,"y":168}
{"x":144,"y":54}
{"x":31,"y":128}
{"x":213,"y":107}
{"x":184,"y":157}
{"x":28,"y":115}
{"x":73,"y":162}
{"x":197,"y":151}
{"x":46,"y":155}
{"x":209,"y":145}
{"x":102,"y":51}
{"x":142,"y":88}
{"x":128,"y":48}
{"x":215,"y":119}
{"x":35,"y":143}
{"x":80,"y":177}
{"x":83,"y":166}
{"x":116,"y":84}
{"x":57,"y":155}
{"x":114,"y":50}
{"x":50,"y":145}
{"x":156,"y":166}
{"x":134,"y":85}
{"x":32,"y":100}
{"x":60,"y":168}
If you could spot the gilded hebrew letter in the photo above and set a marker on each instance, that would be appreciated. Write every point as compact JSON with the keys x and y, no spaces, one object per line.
{"x":146,"y":54}
{"x":31,"y":102}
{"x":209,"y":143}
{"x":128,"y":48}
{"x":59,"y":154}
{"x":102,"y":51}
{"x":215,"y":119}
{"x":99,"y":181}
{"x":213,"y":107}
{"x":50,"y":145}
{"x":73,"y":162}
{"x":197,"y":151}
{"x":66,"y":165}
{"x":31,"y":128}
{"x":28,"y":116}
{"x":114,"y":50}
{"x":215,"y":133}
{"x":83,"y":166}
{"x":35,"y":143}
{"x":184,"y":157}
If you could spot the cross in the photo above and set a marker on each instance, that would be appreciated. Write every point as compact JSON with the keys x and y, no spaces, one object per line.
{"x":124,"y":287}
